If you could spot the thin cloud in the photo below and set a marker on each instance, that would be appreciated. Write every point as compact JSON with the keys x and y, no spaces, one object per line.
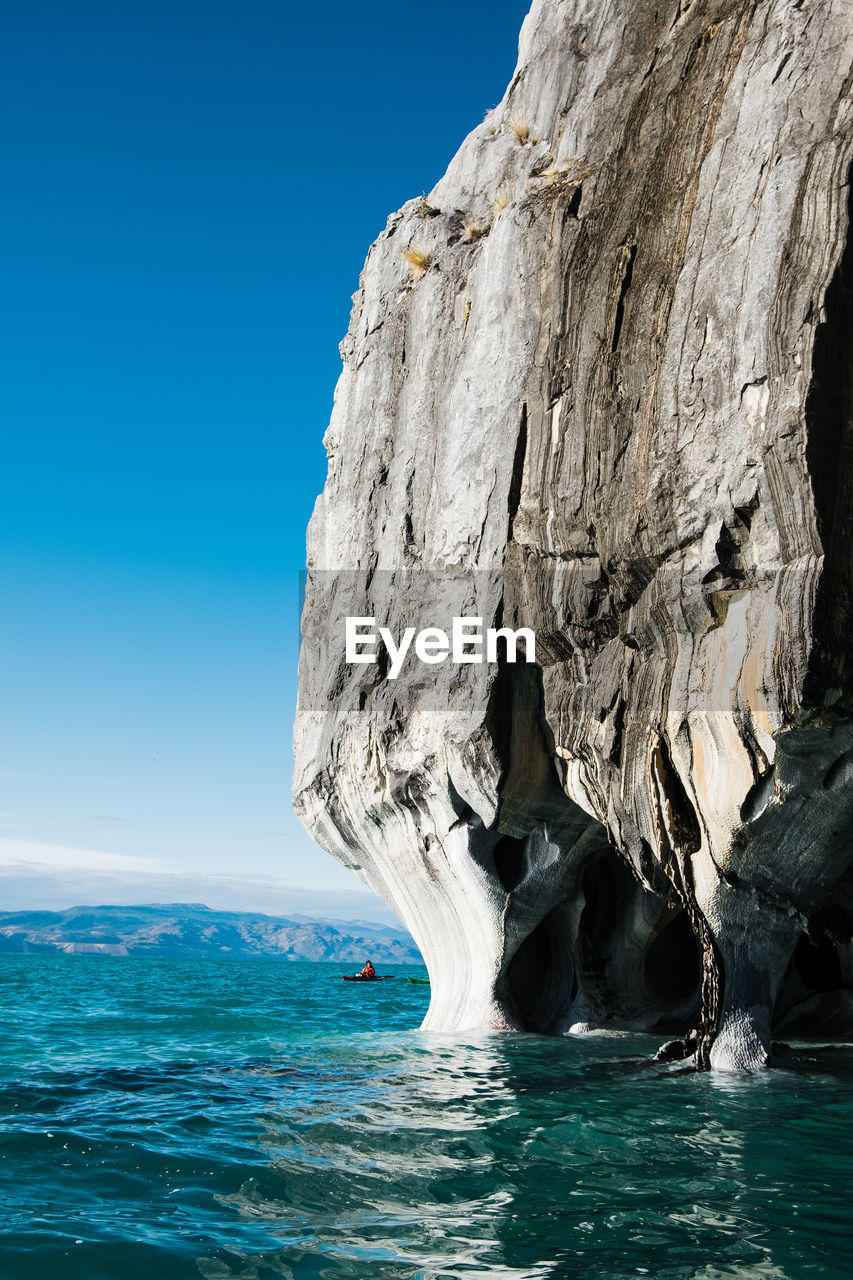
{"x":45,"y":877}
{"x":17,"y":853}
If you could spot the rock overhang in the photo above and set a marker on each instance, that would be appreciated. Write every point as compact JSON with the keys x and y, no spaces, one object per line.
{"x":622,"y":412}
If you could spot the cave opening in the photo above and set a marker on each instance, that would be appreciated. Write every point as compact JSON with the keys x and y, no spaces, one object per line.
{"x":672,"y":966}
{"x":818,"y":963}
{"x":829,"y":456}
{"x":508,"y":856}
{"x":605,"y":883}
{"x":815,"y":996}
{"x":540,"y":979}
{"x":611,"y":951}
{"x":638,"y":960}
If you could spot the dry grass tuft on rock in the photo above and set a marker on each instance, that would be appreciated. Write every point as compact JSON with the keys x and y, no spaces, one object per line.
{"x":475,"y":231}
{"x":521,"y":129}
{"x":417,"y":260}
{"x":500,"y":202}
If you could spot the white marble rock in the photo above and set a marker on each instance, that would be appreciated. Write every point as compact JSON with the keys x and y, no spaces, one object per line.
{"x":612,"y":399}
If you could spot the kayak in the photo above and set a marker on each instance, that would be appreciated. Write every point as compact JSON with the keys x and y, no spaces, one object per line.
{"x":357,"y":977}
{"x":424,"y":982}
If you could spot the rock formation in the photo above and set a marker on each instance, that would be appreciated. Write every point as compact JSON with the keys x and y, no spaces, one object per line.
{"x":599,"y":382}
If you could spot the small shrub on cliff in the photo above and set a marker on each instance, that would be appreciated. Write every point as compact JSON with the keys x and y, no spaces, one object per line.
{"x":417,"y":260}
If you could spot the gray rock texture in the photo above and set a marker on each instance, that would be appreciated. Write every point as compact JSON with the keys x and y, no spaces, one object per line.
{"x":600,"y":382}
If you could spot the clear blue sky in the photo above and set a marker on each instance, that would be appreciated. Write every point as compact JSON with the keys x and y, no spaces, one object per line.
{"x":190,"y":189}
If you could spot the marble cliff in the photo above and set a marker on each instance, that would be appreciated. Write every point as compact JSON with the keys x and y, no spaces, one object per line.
{"x":599,"y":381}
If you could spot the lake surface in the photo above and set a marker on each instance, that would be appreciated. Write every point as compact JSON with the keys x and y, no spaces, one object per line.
{"x":253,"y":1119}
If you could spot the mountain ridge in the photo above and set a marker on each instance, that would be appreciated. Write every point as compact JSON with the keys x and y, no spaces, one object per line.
{"x":194,"y":930}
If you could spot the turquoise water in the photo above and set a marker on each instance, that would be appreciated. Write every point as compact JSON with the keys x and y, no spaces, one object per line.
{"x":177,"y":1118}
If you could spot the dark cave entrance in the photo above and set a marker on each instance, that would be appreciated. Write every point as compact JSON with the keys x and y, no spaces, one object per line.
{"x":818,"y":964}
{"x":829,"y":455}
{"x":639,"y":957}
{"x":672,"y":968}
{"x":540,"y":978}
{"x":632,"y":959}
{"x":815,"y":997}
{"x":508,"y":855}
{"x":539,"y":982}
{"x":605,"y":885}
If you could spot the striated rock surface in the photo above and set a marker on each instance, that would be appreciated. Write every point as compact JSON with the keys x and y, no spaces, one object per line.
{"x":600,"y":383}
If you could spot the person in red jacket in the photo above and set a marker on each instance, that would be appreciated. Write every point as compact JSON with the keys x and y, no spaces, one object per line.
{"x":368,"y":971}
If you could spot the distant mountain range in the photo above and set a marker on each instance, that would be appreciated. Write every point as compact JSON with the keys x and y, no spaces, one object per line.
{"x":181,"y":929}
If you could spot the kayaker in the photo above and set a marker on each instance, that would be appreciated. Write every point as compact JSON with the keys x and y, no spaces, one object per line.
{"x":368,"y":971}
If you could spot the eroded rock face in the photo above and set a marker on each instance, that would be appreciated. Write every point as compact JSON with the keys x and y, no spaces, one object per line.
{"x":609,"y":395}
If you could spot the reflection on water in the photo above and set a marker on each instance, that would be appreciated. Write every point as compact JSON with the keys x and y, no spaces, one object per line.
{"x":274,"y":1125}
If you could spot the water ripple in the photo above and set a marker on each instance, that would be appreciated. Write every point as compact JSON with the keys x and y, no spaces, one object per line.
{"x":260,"y":1120}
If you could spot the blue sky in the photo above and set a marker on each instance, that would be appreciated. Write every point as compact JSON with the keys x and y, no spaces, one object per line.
{"x":191,"y":187}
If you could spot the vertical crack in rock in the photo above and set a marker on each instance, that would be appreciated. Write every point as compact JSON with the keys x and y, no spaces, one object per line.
{"x":681,"y":838}
{"x":625,"y":421}
{"x":517,"y":471}
{"x":627,"y":254}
